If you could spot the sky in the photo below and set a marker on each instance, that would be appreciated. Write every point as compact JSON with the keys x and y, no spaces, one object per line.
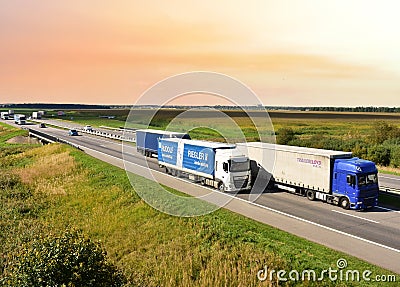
{"x":289,"y":52}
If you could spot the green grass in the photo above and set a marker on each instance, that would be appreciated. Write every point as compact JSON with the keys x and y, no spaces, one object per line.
{"x":62,"y":187}
{"x":7,"y":132}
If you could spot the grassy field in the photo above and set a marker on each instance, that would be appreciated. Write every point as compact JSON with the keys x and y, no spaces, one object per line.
{"x":55,"y":187}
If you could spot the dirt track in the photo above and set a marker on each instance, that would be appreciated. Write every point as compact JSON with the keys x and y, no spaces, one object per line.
{"x":23,"y":140}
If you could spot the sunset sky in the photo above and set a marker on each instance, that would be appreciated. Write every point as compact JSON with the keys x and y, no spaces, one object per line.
{"x":297,"y":53}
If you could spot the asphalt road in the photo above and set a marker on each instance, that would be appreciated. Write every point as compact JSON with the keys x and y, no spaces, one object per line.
{"x":373,"y":236}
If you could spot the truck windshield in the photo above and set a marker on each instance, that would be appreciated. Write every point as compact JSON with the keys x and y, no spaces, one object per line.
{"x":239,"y":165}
{"x":367,"y":179}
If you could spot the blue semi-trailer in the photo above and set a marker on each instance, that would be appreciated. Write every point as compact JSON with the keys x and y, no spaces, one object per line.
{"x":331,"y":176}
{"x":219,"y":165}
{"x":147,"y":140}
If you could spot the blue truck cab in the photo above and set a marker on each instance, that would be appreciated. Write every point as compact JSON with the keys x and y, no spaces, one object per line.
{"x":355,"y":182}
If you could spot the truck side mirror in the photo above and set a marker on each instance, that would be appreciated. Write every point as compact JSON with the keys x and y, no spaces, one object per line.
{"x":225,"y":166}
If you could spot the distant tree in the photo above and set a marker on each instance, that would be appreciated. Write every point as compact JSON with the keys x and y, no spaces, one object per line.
{"x":69,"y":260}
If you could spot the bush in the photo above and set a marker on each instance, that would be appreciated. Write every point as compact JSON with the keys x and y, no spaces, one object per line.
{"x":394,"y":146}
{"x":69,"y":260}
{"x":285,"y":135}
{"x":379,"y":154}
{"x":8,"y":180}
{"x":383,"y":131}
{"x":360,"y":151}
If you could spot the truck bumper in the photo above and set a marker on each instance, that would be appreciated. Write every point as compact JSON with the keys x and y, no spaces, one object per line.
{"x":364,"y":203}
{"x":232,"y":188}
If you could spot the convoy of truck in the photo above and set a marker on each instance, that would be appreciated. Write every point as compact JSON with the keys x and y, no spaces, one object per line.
{"x":330,"y":176}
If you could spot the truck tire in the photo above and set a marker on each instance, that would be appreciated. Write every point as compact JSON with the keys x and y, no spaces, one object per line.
{"x":310,"y":195}
{"x":221,"y":187}
{"x":344,"y":203}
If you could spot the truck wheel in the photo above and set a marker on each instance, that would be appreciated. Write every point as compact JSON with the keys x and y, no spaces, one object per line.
{"x":310,"y":195}
{"x":344,"y":203}
{"x":221,"y":187}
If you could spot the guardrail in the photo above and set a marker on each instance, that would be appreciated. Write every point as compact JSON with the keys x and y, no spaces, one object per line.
{"x":124,"y":138}
{"x":43,"y":136}
{"x":50,"y":138}
{"x":109,"y":135}
{"x":390,"y":190}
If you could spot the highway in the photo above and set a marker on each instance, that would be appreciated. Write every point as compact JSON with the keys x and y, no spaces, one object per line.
{"x":373,"y":236}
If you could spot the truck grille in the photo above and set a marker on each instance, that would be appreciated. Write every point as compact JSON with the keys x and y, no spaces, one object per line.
{"x":369,"y":201}
{"x":239,"y":183}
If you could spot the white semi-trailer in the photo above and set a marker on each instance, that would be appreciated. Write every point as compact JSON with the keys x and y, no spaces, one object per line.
{"x":4,"y":115}
{"x":20,"y":119}
{"x":36,"y":115}
{"x":215,"y":164}
{"x":331,"y":176}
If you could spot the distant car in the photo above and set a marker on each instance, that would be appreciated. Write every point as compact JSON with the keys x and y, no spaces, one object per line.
{"x":42,"y":125}
{"x":88,"y":128}
{"x":73,"y":133}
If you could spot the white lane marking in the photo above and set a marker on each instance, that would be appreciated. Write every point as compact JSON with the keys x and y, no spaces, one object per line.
{"x":382,"y":176}
{"x":387,"y":209}
{"x":274,"y":210}
{"x":355,"y":216}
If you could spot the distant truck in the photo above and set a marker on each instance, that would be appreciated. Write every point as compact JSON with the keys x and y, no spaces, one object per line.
{"x":331,"y":176}
{"x":219,"y":165}
{"x":36,"y":115}
{"x":88,"y":128}
{"x":147,"y":140}
{"x":4,"y":115}
{"x":20,"y":119}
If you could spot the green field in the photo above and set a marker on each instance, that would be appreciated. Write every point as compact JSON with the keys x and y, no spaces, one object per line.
{"x":49,"y":189}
